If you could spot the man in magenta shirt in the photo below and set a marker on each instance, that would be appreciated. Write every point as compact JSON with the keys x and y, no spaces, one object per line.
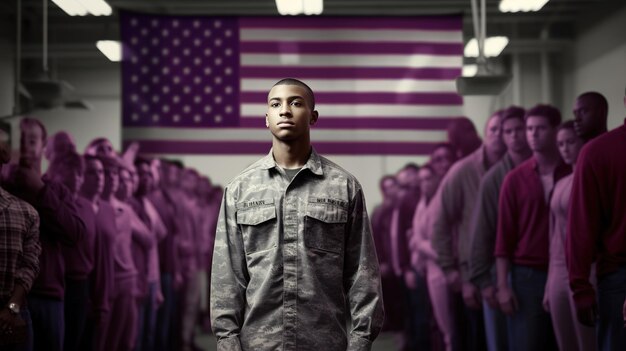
{"x":597,"y":232}
{"x":522,"y":240}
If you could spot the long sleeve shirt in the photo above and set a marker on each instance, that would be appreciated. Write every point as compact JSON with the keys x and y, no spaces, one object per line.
{"x":401,"y":221}
{"x":59,"y":226}
{"x":79,"y":259}
{"x":523,"y":217}
{"x":19,"y":244}
{"x":294,"y":261}
{"x":485,"y":223}
{"x":597,"y":213}
{"x":451,"y":226}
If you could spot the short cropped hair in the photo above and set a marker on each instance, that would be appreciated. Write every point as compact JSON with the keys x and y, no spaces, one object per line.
{"x":29,"y":122}
{"x":513,"y":112}
{"x":599,"y":98}
{"x":71,"y":160}
{"x":549,"y":112}
{"x":293,"y":81}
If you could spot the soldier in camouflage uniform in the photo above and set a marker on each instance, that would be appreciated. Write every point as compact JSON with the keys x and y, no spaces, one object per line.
{"x":294,"y":265}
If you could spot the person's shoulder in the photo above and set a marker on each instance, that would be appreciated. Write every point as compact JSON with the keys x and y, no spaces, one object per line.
{"x":519,"y":173}
{"x":605,"y":145}
{"x":334,"y":171}
{"x":248,"y":174}
{"x":19,"y":206}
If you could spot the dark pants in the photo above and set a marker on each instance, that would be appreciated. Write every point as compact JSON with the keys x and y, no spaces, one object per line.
{"x":76,"y":305}
{"x":419,"y":315}
{"x":530,"y":328}
{"x":48,"y":323}
{"x":165,"y":314}
{"x":147,"y":320}
{"x":611,"y":297}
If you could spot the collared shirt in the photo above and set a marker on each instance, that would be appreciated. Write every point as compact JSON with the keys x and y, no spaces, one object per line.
{"x":19,"y":244}
{"x":485,"y":223}
{"x":295,"y":261}
{"x":597,"y":221}
{"x":451,"y":226}
{"x":523,"y":217}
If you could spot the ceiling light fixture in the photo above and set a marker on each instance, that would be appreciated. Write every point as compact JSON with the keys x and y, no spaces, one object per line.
{"x":84,"y":7}
{"x":493,"y":47}
{"x":298,"y":7}
{"x":521,"y":5}
{"x":111,"y":49}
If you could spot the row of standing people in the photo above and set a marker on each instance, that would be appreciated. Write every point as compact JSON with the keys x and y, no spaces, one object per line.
{"x":482,"y":245}
{"x":119,"y":254}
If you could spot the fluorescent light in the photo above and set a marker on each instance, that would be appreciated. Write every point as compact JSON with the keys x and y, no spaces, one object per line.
{"x":97,"y":7}
{"x":313,"y":7}
{"x":298,"y":7}
{"x":111,"y":49}
{"x":71,"y":7}
{"x":289,"y":7}
{"x":469,"y":70}
{"x":493,"y":47}
{"x":521,"y":5}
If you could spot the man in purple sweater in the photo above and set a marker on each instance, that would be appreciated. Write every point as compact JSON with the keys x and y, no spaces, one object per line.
{"x":60,"y":226}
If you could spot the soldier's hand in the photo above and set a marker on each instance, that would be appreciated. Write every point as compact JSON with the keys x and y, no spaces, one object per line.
{"x":588,"y":316}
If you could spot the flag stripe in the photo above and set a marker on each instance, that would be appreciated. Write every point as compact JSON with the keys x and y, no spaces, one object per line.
{"x":360,"y":85}
{"x":434,"y":123}
{"x":309,"y":60}
{"x":372,"y":98}
{"x":257,"y":134}
{"x":262,"y":147}
{"x":339,"y":47}
{"x":312,"y":72}
{"x":366,"y":110}
{"x":430,"y":23}
{"x":356,"y":35}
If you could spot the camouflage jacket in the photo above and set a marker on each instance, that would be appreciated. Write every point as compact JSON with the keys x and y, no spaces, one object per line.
{"x":294,"y":264}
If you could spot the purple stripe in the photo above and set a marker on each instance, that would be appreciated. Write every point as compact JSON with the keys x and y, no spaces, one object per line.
{"x":369,"y":98}
{"x":402,"y":23}
{"x":425,"y":123}
{"x":317,"y":47}
{"x":348,"y":72}
{"x":253,"y":147}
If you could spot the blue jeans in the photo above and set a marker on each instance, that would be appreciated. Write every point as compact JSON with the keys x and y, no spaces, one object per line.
{"x":530,"y":328}
{"x":146,"y":319}
{"x":165,"y":314}
{"x":611,"y":296}
{"x":76,"y":305}
{"x":495,"y":328}
{"x":48,"y":323}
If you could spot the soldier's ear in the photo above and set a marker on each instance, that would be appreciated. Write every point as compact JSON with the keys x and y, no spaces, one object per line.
{"x":314,"y":117}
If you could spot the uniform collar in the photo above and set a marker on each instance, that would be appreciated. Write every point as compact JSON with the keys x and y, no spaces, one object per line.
{"x":314,"y":163}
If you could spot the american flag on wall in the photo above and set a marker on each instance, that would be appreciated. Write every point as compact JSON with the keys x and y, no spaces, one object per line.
{"x":198,"y":85}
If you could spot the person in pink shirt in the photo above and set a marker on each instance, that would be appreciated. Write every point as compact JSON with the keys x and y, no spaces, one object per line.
{"x":101,"y":280}
{"x":424,"y":259}
{"x":570,"y":334}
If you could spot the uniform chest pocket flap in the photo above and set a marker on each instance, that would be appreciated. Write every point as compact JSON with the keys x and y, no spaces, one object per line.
{"x":258,"y":226}
{"x":325,"y":226}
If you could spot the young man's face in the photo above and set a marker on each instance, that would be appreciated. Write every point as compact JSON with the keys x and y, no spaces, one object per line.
{"x":32,"y":143}
{"x":493,"y":138}
{"x":146,"y":179}
{"x":514,"y":135}
{"x":72,"y":178}
{"x":111,"y":180}
{"x":587,"y":117}
{"x":441,"y":160}
{"x":540,"y":134}
{"x":93,"y":179}
{"x":428,"y":182}
{"x":289,"y":112}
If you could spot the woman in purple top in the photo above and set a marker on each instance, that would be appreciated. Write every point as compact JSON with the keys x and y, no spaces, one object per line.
{"x":558,"y":301}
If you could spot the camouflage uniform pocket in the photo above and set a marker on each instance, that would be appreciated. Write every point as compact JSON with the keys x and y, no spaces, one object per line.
{"x":325,"y":227}
{"x":258,"y":226}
